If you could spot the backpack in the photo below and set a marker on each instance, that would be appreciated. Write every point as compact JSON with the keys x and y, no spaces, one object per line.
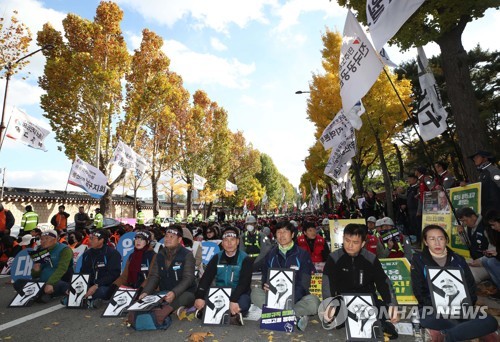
{"x":156,"y":319}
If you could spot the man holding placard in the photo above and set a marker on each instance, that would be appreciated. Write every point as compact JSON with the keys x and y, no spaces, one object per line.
{"x":287,"y":255}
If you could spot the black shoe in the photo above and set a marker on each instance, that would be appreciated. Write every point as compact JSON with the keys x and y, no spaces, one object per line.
{"x":199,"y":314}
{"x":236,"y":319}
{"x":389,"y":330}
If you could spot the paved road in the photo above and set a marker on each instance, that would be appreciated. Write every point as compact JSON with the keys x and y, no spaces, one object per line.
{"x":57,"y":323}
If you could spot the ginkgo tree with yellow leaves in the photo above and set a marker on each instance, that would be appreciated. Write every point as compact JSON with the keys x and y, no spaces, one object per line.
{"x":15,"y":38}
{"x":383,"y":118}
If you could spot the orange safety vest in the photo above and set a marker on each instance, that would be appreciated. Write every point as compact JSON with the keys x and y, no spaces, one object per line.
{"x":319,"y":245}
{"x":86,"y":240}
{"x":62,"y":221}
{"x":3,"y":220}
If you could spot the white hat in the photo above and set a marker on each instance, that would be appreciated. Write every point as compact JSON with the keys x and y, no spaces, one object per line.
{"x":250,"y":219}
{"x":50,"y":232}
{"x":26,"y":240}
{"x":378,"y":223}
{"x":386,"y":221}
{"x":325,"y":222}
{"x":295,"y":224}
{"x":371,"y":219}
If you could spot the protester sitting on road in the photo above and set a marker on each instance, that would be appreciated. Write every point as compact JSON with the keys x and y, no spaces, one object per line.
{"x":475,"y":229}
{"x":103,"y":264}
{"x":137,"y":266}
{"x":313,"y":243}
{"x":229,"y":268}
{"x":210,"y":234}
{"x":6,"y":221}
{"x":436,"y":253}
{"x":172,"y":271}
{"x":288,"y":255}
{"x":55,"y":270}
{"x":75,"y":239}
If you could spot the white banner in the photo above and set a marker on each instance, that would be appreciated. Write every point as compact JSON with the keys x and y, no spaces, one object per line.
{"x":26,"y":129}
{"x":385,"y":18}
{"x":88,"y":177}
{"x":337,"y":192}
{"x":340,"y":156}
{"x":354,"y":115}
{"x":230,"y":187}
{"x":127,"y":158}
{"x":199,"y":182}
{"x":336,"y":131}
{"x":385,"y":58}
{"x":359,"y":64}
{"x":349,"y":189}
{"x":431,"y":113}
{"x":303,"y":206}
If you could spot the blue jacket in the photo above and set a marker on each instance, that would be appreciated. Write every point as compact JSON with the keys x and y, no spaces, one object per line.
{"x":297,"y":259}
{"x":103,"y":265}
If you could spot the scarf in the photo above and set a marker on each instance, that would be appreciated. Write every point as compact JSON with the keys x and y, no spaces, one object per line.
{"x":134,"y":266}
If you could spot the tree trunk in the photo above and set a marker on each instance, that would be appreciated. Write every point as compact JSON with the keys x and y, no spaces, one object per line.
{"x":356,"y":169}
{"x":106,"y":203}
{"x":208,"y":212}
{"x":387,"y":178}
{"x":189,"y":195}
{"x":470,"y":128}
{"x":154,"y":193}
{"x":400,"y":162}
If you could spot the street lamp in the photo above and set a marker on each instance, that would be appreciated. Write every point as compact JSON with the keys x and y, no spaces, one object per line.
{"x":302,"y":92}
{"x":9,"y":67}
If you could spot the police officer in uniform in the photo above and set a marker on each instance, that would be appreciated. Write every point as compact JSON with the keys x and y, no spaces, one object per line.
{"x":29,"y":221}
{"x":489,"y":176}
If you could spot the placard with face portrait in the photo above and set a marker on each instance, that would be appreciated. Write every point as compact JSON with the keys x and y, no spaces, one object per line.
{"x":281,"y":292}
{"x":77,"y":290}
{"x":146,"y":304}
{"x":449,"y":292}
{"x":217,"y":306}
{"x":120,"y":302}
{"x":28,"y":294}
{"x":362,"y":323}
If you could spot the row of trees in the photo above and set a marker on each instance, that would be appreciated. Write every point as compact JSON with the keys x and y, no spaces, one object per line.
{"x":96,"y":94}
{"x":387,"y":144}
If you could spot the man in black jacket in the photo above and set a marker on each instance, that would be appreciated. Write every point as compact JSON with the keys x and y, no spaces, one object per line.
{"x":489,"y":176}
{"x":414,"y":216}
{"x":103,"y":264}
{"x":81,"y":219}
{"x":353,"y":269}
{"x":173,"y":271}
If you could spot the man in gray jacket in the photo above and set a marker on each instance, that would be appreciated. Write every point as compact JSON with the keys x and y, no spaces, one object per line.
{"x":172,"y":270}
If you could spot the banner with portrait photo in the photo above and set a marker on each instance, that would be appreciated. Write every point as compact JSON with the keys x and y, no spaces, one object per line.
{"x":217,"y":306}
{"x":121,"y":300}
{"x":449,"y":292}
{"x":77,"y":290}
{"x":362,"y":323}
{"x":29,"y":292}
{"x":337,"y":231}
{"x":146,"y":304}
{"x":281,"y":292}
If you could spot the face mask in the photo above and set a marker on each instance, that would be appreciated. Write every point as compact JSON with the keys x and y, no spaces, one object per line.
{"x":250,"y":228}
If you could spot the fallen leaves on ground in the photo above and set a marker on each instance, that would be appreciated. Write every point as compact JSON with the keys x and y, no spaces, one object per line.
{"x":199,"y":336}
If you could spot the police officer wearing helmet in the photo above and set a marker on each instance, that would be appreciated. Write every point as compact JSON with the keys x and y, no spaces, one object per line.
{"x":229,"y":268}
{"x":395,"y":242}
{"x":254,"y":242}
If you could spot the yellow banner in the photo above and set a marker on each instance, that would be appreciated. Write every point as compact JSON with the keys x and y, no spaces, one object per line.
{"x":337,"y":231}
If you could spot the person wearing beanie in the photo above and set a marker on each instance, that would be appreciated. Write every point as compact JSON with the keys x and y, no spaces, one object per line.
{"x":172,"y":271}
{"x":55,"y":269}
{"x":232,"y":268}
{"x":288,"y":254}
{"x":137,"y":266}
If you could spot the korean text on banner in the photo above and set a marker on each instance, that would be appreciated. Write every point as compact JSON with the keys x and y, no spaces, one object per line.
{"x":385,"y":18}
{"x":431,"y":113}
{"x":359,"y":65}
{"x":127,"y":158}
{"x":337,"y":131}
{"x":88,"y":177}
{"x":398,"y":271}
{"x":27,"y":130}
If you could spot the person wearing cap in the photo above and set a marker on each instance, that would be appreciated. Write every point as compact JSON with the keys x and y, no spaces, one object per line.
{"x":103,"y":265}
{"x":412,"y":203}
{"x":373,"y":243}
{"x":140,"y":218}
{"x":29,"y":221}
{"x":290,"y":256}
{"x":137,"y":266}
{"x":394,"y":241}
{"x":172,"y":271}
{"x":435,"y":253}
{"x":252,"y":239}
{"x":55,"y":271}
{"x":6,"y":221}
{"x":352,"y":269}
{"x":232,"y":268}
{"x":98,"y":219}
{"x":313,"y":243}
{"x":489,"y":176}
{"x":60,"y":220}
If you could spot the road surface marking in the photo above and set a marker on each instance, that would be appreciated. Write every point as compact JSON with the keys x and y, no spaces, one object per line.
{"x":30,"y":317}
